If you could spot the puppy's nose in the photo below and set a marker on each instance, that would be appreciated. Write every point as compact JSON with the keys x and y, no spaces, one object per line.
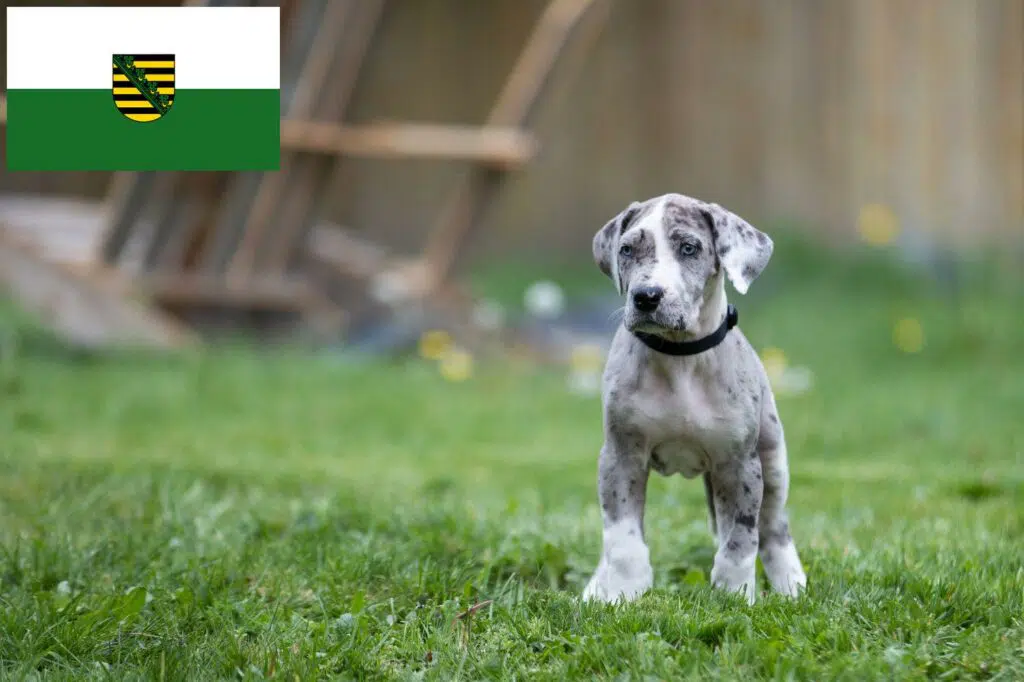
{"x":647,"y":299}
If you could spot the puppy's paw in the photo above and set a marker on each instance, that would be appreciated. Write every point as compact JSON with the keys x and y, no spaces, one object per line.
{"x":624,"y":572}
{"x":612,"y":584}
{"x":735,"y":577}
{"x":783,"y":569}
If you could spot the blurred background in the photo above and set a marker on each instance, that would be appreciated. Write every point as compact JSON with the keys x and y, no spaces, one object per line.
{"x":445,"y":164}
{"x":367,"y":385}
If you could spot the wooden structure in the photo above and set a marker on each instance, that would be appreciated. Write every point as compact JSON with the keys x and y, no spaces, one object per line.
{"x":244,"y":241}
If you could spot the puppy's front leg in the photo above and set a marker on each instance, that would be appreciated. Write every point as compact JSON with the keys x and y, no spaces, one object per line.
{"x":624,"y":571}
{"x":737,"y":491}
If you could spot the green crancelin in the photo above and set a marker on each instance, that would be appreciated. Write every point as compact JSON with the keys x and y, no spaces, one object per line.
{"x":147,"y":88}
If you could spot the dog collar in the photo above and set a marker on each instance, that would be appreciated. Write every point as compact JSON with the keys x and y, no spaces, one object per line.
{"x":656,"y":343}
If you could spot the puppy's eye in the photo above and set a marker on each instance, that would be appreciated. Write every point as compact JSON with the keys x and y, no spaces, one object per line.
{"x":688,"y":249}
{"x":626,"y":249}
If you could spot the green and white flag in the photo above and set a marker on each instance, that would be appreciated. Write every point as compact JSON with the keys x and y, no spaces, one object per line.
{"x":143,"y":88}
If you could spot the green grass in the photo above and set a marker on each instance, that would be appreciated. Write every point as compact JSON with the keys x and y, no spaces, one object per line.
{"x":245,"y":515}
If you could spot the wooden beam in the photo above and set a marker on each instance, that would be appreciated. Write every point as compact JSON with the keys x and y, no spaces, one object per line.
{"x":348,"y":254}
{"x":87,"y":308}
{"x":129,"y":194}
{"x":122,"y":190}
{"x":270,"y":186}
{"x":518,"y":97}
{"x":169,"y":205}
{"x":501,"y":147}
{"x":199,"y":235}
{"x":352,"y":256}
{"x":311,"y":173}
{"x":270,"y":293}
{"x":187,"y":239}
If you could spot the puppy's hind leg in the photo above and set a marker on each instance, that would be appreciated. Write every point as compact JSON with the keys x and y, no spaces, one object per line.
{"x":777,"y":549}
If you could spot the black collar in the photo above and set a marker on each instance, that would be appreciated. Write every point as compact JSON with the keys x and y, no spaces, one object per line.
{"x":656,"y":343}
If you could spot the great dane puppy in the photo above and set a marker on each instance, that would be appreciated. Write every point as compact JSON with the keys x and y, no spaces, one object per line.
{"x":684,"y":392}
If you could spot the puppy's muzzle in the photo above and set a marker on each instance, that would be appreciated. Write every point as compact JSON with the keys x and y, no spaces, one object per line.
{"x":646,"y":299}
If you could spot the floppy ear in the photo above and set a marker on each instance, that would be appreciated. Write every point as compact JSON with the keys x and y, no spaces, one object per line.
{"x":606,"y":245}
{"x":743,"y":250}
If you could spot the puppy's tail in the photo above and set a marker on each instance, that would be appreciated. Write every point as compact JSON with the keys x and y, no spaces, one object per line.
{"x":709,"y":493}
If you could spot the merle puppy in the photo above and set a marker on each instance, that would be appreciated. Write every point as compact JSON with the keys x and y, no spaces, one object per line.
{"x":684,"y":392}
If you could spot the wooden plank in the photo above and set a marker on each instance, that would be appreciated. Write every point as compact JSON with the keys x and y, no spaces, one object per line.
{"x":501,"y":147}
{"x":312,"y":173}
{"x":87,"y":309}
{"x":120,"y":191}
{"x":62,"y":230}
{"x":351,"y":255}
{"x":288,"y":9}
{"x":536,"y":61}
{"x":1008,"y":90}
{"x":312,"y":80}
{"x":228,"y":223}
{"x":169,"y":203}
{"x":347,"y":253}
{"x":129,"y":194}
{"x":466,"y":203}
{"x":299,"y":27}
{"x":190,"y":234}
{"x":273,"y":293}
{"x":260,"y":292}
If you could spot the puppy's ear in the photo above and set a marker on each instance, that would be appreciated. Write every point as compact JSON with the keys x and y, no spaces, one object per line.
{"x":606,"y":244}
{"x":743,"y":250}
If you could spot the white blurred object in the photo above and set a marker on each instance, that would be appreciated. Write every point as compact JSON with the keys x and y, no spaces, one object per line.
{"x":389,"y":288}
{"x":544,"y":299}
{"x":400,"y":283}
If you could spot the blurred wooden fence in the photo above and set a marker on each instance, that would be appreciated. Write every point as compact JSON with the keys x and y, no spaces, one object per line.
{"x":253,"y":242}
{"x":801,"y":110}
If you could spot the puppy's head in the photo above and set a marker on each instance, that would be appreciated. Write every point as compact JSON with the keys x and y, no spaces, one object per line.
{"x":667,"y":255}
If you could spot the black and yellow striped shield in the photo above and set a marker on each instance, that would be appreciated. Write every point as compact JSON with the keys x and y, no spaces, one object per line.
{"x":143,"y":85}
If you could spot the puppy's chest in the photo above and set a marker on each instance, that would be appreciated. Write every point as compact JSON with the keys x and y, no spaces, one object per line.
{"x":687,"y":423}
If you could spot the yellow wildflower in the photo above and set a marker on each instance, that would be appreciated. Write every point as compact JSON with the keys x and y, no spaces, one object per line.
{"x":877,"y":224}
{"x":456,"y":365}
{"x":434,"y":344}
{"x":908,"y":335}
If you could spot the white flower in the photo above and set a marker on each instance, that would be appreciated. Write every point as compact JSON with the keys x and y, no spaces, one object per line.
{"x":544,"y":299}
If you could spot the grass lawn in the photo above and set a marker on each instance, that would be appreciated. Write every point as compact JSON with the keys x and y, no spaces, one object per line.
{"x":244,"y":515}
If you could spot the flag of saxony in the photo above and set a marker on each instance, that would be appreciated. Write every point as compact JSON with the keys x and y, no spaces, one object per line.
{"x":143,"y":88}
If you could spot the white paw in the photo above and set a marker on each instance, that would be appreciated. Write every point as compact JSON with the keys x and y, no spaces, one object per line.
{"x":610,"y":586}
{"x":735,"y":576}
{"x":783,"y":569}
{"x":624,"y":572}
